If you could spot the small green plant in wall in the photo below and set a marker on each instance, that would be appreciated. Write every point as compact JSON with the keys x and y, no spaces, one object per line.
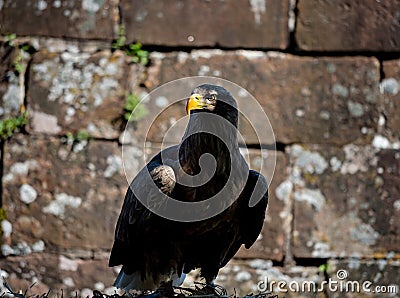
{"x":3,"y":216}
{"x":324,"y":268}
{"x":81,"y":135}
{"x":138,"y":55}
{"x":18,"y":63}
{"x":121,"y":40}
{"x":12,"y":125}
{"x":133,"y":50}
{"x":10,"y":39}
{"x":134,"y":110}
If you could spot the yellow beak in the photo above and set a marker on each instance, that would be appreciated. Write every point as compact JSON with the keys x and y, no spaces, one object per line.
{"x":195,"y":102}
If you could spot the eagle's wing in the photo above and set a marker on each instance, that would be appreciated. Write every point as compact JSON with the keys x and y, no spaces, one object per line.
{"x":253,"y":220}
{"x":134,"y":217}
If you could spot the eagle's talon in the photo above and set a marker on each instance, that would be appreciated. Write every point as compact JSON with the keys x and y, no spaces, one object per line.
{"x":155,"y":294}
{"x":165,"y":289}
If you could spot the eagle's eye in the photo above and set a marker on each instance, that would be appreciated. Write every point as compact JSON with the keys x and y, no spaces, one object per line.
{"x":211,"y":99}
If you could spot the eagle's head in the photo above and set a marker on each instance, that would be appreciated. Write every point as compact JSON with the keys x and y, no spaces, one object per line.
{"x":213,"y":99}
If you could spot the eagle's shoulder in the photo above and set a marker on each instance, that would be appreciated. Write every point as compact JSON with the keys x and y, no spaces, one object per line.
{"x":155,"y":178}
{"x":164,"y":178}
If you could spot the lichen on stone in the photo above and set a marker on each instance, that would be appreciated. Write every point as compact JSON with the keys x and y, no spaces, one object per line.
{"x":389,"y":86}
{"x":114,"y":165}
{"x":58,"y":206}
{"x":358,"y":158}
{"x":340,"y":90}
{"x":92,"y":6}
{"x":356,"y":109}
{"x":27,"y":193}
{"x":76,"y":82}
{"x":312,"y":196}
{"x":364,"y":234}
{"x":308,"y":161}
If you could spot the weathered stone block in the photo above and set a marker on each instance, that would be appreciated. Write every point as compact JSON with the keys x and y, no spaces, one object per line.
{"x":56,"y":18}
{"x":57,"y":273}
{"x":390,"y":87}
{"x":61,"y":197}
{"x":71,"y":91}
{"x":244,"y":24}
{"x":346,"y":201}
{"x":348,"y":25}
{"x":307,"y":100}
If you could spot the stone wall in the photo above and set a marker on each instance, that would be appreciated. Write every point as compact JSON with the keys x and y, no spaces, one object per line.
{"x":327,"y":73}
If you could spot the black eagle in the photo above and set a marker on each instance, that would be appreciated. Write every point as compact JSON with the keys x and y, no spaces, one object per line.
{"x":154,"y":249}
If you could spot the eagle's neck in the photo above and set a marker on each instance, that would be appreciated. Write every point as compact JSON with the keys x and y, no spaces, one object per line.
{"x":205,"y":136}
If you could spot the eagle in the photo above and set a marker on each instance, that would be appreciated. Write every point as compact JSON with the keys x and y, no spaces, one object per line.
{"x":224,"y":202}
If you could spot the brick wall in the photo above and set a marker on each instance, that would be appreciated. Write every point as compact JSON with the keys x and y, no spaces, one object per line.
{"x":327,"y":73}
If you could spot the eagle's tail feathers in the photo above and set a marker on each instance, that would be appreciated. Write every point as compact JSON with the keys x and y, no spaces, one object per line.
{"x":178,"y":280}
{"x":123,"y":280}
